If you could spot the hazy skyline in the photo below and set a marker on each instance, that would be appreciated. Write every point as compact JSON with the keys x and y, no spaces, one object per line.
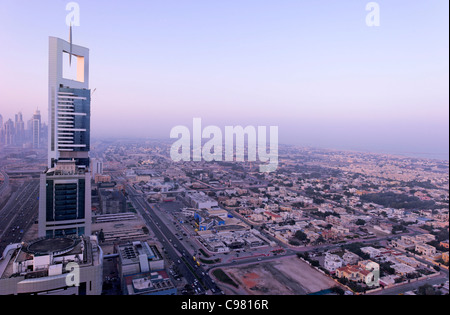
{"x":313,"y":68}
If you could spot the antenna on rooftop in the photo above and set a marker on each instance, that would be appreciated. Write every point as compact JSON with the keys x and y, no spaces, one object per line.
{"x":70,"y":41}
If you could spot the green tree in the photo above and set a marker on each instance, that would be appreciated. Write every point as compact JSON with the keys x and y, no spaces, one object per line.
{"x":300,"y":235}
{"x":428,"y":289}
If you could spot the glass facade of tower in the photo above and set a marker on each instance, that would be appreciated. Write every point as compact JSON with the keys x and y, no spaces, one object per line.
{"x":74,"y":112}
{"x":65,"y":202}
{"x":65,"y":187}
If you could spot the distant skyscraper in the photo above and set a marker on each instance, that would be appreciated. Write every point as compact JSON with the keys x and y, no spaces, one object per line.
{"x":96,"y":167}
{"x":19,"y":129}
{"x":36,"y":129}
{"x":9,"y":132}
{"x":65,"y":191}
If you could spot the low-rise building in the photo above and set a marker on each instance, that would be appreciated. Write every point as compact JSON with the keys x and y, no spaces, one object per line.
{"x":362,"y":272}
{"x":426,"y":250}
{"x":373,"y":252}
{"x":99,"y":178}
{"x":425,"y":238}
{"x":199,"y":200}
{"x":138,"y":257}
{"x":149,"y":283}
{"x":350,"y":258}
{"x":445,"y":257}
{"x":332,"y":262}
{"x":357,"y":273}
{"x":402,"y":269}
{"x":408,"y":261}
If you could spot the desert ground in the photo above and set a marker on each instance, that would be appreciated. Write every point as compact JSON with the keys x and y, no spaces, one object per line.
{"x":283,"y":276}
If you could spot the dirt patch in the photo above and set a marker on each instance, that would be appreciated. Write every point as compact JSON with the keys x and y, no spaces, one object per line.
{"x":250,"y":279}
{"x":285,"y":276}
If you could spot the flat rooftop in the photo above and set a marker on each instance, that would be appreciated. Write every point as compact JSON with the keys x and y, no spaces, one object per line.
{"x":34,"y":259}
{"x":51,"y":245}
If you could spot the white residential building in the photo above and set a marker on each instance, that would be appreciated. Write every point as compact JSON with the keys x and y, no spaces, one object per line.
{"x":332,"y":262}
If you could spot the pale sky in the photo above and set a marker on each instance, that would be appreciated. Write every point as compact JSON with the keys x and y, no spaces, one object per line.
{"x":312,"y":68}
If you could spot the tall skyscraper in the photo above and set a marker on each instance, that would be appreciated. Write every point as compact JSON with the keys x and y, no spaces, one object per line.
{"x":65,"y":191}
{"x":9,"y":132}
{"x":96,"y":167}
{"x":19,"y":129}
{"x":36,"y":129}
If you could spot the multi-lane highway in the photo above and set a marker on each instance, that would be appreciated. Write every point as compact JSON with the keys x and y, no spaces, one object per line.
{"x":19,"y":213}
{"x":175,"y":249}
{"x":5,"y":183}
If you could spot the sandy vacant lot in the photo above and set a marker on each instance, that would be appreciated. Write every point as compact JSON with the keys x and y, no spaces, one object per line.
{"x":284,"y":276}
